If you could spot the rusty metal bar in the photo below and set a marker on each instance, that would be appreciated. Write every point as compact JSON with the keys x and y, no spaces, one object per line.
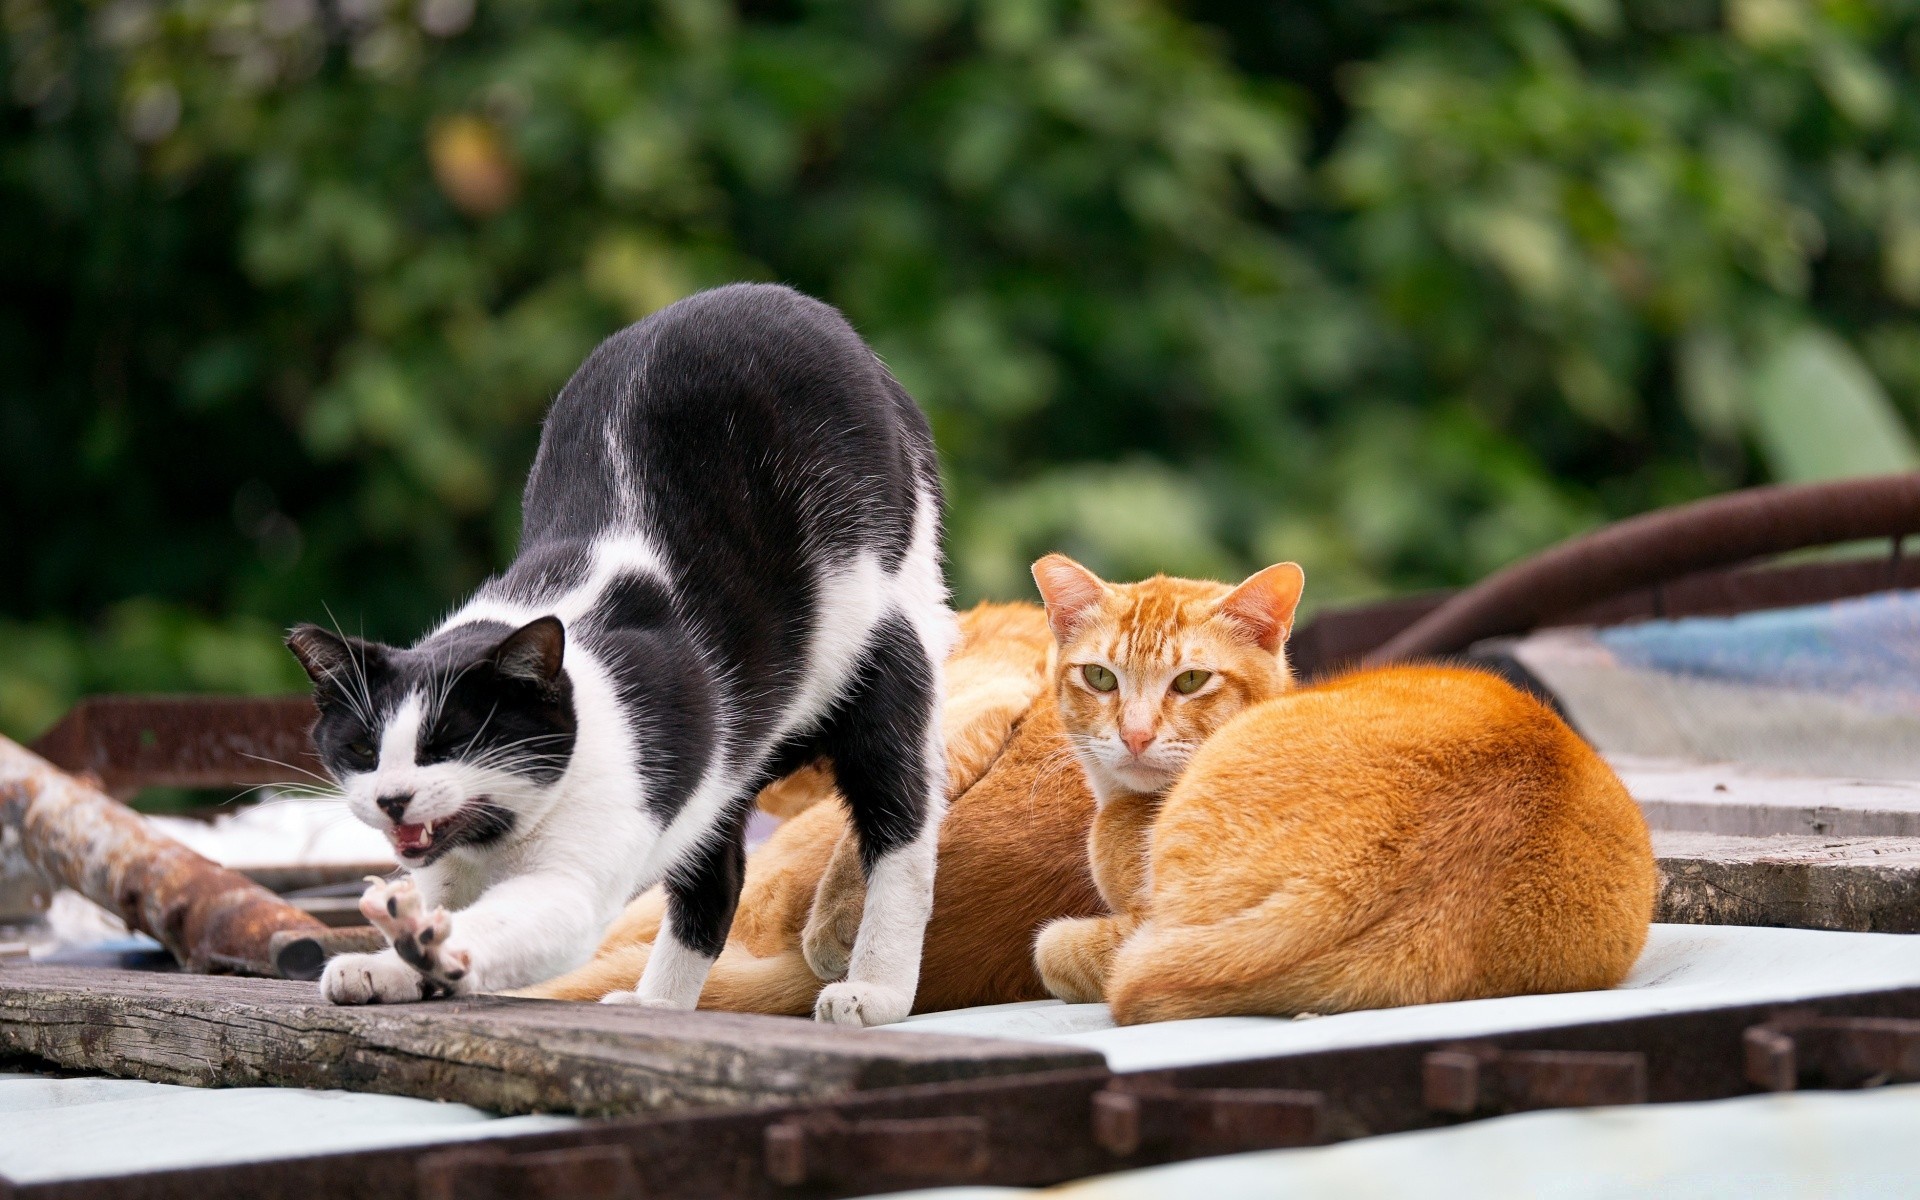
{"x":877,"y":1152}
{"x":132,"y":742}
{"x":490,"y":1173}
{"x":209,"y":918}
{"x":1659,"y":546}
{"x":1843,"y":1052}
{"x":1193,"y":1122}
{"x":303,"y":954}
{"x":1478,"y":1079}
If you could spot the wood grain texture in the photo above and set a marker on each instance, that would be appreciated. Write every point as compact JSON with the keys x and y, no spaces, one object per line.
{"x":1861,"y":884}
{"x":506,"y":1055}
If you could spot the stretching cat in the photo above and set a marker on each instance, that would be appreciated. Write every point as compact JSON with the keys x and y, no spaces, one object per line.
{"x":1011,"y":855}
{"x":1398,"y":836}
{"x":729,"y":566}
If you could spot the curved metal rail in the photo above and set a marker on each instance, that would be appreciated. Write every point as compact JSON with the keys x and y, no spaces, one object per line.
{"x":1658,"y":547}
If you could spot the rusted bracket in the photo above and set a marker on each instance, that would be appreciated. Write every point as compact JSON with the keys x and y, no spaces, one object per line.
{"x":603,"y":1172}
{"x":1203,"y":1121}
{"x":1838,"y":1052}
{"x":1474,"y":1080}
{"x":831,"y":1149}
{"x":132,"y":742}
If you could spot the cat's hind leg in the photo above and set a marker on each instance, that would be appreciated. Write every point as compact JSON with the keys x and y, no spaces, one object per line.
{"x":833,"y":920}
{"x":887,"y":753}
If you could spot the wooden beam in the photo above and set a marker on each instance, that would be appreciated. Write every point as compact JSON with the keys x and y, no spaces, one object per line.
{"x":1866,"y":885}
{"x":505,"y":1055}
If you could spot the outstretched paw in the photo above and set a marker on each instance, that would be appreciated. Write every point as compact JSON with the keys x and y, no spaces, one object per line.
{"x":420,"y":936}
{"x":371,"y":979}
{"x":861,"y":1004}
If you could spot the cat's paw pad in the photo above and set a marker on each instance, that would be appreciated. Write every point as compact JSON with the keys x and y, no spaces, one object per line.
{"x":636,"y":1000}
{"x":421,"y":936}
{"x":370,"y":979}
{"x":861,"y":1004}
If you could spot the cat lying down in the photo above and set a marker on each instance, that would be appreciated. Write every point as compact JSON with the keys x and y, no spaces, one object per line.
{"x":1406,"y":835}
{"x":1400,"y":836}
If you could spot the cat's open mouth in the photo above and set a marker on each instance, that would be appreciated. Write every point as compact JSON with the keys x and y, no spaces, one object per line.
{"x":419,"y":841}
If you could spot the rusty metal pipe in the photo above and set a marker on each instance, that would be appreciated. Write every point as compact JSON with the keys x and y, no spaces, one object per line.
{"x":1659,"y":546}
{"x":211,"y":919}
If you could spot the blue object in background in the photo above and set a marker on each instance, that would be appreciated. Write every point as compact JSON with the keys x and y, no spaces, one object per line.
{"x":1865,"y":649}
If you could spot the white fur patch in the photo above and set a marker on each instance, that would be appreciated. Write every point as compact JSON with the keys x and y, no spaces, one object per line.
{"x":675,"y":973}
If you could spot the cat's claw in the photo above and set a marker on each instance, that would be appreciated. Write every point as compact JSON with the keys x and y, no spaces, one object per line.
{"x":861,"y":1004}
{"x":422,"y":938}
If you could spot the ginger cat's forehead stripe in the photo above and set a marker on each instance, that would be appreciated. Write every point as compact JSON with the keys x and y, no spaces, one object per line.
{"x":1137,"y":737}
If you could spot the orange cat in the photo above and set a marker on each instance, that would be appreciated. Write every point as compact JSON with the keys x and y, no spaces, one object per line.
{"x":1397,"y":836}
{"x":1010,"y":855}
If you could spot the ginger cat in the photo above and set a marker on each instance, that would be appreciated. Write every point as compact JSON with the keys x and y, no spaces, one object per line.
{"x":1396,"y":836}
{"x":1010,"y":857}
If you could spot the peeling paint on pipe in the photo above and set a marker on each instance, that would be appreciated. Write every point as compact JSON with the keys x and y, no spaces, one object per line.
{"x":211,"y":919}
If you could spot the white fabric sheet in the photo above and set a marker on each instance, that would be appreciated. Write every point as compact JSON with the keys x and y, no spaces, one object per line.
{"x":56,"y":1129}
{"x":1684,"y":967}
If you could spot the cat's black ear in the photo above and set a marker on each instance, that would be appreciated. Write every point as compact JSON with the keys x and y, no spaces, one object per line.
{"x":1264,"y":605}
{"x":533,"y":652}
{"x":326,"y":655}
{"x":1070,"y":591}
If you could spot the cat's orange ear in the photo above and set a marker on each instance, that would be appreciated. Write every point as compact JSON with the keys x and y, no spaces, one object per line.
{"x":1265,"y":603}
{"x":1070,"y":592}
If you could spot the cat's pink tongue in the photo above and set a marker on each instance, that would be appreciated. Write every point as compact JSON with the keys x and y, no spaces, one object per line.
{"x":411,"y":839}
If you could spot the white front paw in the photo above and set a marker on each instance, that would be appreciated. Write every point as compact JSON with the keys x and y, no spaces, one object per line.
{"x":371,"y":979}
{"x":861,"y":1004}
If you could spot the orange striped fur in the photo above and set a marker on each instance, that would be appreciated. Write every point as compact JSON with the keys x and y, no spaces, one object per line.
{"x":1398,"y":836}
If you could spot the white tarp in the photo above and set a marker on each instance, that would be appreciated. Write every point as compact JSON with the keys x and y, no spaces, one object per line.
{"x":55,"y":1129}
{"x":1684,"y":967}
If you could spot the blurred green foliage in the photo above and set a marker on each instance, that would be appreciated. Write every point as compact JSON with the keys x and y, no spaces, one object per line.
{"x":1402,"y":290}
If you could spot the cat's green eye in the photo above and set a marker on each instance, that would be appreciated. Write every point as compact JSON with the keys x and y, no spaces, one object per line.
{"x":1098,"y":677}
{"x":360,"y":750}
{"x":1189,"y":682}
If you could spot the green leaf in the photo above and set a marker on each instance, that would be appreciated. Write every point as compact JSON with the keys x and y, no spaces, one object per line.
{"x":1818,"y":413}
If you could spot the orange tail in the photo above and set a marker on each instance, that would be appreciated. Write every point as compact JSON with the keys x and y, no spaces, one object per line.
{"x":1257,"y":962}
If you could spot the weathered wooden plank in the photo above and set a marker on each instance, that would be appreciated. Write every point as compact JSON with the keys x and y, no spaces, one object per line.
{"x":1867,"y":884}
{"x":1747,"y":801}
{"x":507,"y":1055}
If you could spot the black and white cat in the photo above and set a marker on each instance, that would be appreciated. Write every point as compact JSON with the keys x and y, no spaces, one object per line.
{"x":729,"y":566}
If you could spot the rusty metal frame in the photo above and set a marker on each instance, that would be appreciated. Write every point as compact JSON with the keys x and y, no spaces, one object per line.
{"x":127,"y":743}
{"x":1056,"y":1126}
{"x":1658,"y":547}
{"x":1691,"y":560}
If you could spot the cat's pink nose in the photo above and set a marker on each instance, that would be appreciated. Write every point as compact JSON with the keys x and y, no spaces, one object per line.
{"x":1137,"y":740}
